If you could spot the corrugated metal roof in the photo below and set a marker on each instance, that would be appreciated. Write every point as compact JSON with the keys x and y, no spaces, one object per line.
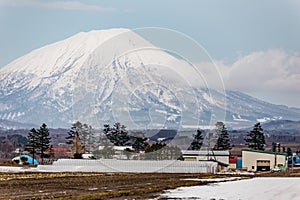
{"x":266,"y":152}
{"x":204,"y":153}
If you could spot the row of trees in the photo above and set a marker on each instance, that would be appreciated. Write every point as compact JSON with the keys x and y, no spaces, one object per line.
{"x":276,"y":147}
{"x":82,"y":139}
{"x":118,"y":135}
{"x":220,"y":138}
{"x":255,"y":138}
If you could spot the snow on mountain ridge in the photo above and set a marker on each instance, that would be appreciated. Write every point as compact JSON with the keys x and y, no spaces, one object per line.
{"x":46,"y":77}
{"x":46,"y":65}
{"x":91,"y":78}
{"x":59,"y":56}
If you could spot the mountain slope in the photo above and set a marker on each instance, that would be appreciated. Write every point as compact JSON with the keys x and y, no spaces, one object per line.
{"x":39,"y":85}
{"x":115,"y":75}
{"x":282,"y":125}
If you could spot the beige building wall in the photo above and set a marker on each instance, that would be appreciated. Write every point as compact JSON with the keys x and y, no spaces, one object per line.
{"x":223,"y":159}
{"x":249,"y":160}
{"x":190,"y":158}
{"x":232,"y":166}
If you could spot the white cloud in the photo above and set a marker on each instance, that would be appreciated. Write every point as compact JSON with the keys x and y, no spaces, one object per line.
{"x":272,"y":75}
{"x":57,"y":5}
{"x":272,"y":70}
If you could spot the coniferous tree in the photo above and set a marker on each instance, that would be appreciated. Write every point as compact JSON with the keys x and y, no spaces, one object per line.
{"x":223,"y":141}
{"x":118,"y":135}
{"x":197,"y":141}
{"x":44,"y":141}
{"x":255,"y":138}
{"x":32,"y":144}
{"x":75,"y":129}
{"x":138,"y":140}
{"x":39,"y":142}
{"x":289,"y":152}
{"x":273,"y":147}
{"x":283,"y":149}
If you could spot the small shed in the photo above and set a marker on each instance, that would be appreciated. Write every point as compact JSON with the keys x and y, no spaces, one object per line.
{"x":258,"y":160}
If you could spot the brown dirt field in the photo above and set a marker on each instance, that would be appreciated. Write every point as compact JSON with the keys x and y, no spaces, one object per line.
{"x":99,"y":185}
{"x":91,"y":185}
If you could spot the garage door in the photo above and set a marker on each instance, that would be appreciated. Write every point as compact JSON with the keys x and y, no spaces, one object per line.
{"x":263,"y":165}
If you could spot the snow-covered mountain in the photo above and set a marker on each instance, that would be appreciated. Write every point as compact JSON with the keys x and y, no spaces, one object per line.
{"x":113,"y":75}
{"x":286,"y":126}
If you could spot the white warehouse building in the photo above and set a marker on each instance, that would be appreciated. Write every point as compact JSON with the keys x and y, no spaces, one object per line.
{"x":258,"y":160}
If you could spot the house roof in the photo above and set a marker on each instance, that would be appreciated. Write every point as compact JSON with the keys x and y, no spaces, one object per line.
{"x":265,"y":152}
{"x":204,"y":153}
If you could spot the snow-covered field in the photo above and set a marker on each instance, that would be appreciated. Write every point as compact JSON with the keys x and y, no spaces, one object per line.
{"x":249,"y":189}
{"x":11,"y":169}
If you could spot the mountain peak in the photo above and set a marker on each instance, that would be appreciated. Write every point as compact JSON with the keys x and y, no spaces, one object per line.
{"x":59,"y":56}
{"x":83,"y":77}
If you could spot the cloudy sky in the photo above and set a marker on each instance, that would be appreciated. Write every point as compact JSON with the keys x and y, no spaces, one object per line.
{"x":255,"y":43}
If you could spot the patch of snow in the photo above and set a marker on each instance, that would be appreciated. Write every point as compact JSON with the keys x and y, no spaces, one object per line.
{"x":173,"y":117}
{"x":10,"y":169}
{"x":256,"y":188}
{"x":214,"y":180}
{"x":198,"y":127}
{"x":244,"y":173}
{"x":262,"y":120}
{"x":161,"y":111}
{"x":209,"y":99}
{"x":239,"y":118}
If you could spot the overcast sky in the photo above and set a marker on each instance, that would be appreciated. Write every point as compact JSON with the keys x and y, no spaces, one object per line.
{"x":255,"y":43}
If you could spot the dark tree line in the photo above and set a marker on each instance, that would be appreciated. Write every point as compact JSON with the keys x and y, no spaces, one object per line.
{"x":119,"y":136}
{"x":9,"y":143}
{"x":222,"y":141}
